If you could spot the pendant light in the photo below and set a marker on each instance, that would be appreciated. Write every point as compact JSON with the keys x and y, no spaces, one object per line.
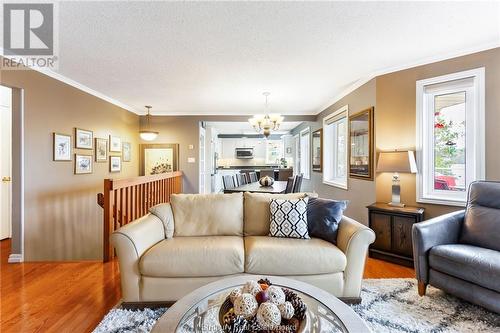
{"x":148,"y":134}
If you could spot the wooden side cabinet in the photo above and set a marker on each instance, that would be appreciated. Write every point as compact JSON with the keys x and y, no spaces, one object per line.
{"x":392,"y":226}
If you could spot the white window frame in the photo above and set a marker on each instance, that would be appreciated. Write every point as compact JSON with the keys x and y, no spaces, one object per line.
{"x":475,"y":134}
{"x":305,"y":165}
{"x":330,"y":147}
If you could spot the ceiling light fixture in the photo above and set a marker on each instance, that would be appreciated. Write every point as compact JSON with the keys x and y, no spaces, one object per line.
{"x":148,"y":134}
{"x":266,"y":123}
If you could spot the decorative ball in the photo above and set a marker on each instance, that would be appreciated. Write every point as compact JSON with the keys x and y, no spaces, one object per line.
{"x":286,"y":310}
{"x":245,"y":306}
{"x":266,"y":181}
{"x":251,"y":287}
{"x":268,"y":316}
{"x":276,"y":295}
{"x":262,"y":297}
{"x":235,"y":293}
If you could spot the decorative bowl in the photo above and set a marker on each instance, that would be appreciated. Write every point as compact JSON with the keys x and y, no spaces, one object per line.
{"x":266,"y":181}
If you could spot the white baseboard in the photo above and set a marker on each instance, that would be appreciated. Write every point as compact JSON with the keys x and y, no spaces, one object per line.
{"x":15,"y":258}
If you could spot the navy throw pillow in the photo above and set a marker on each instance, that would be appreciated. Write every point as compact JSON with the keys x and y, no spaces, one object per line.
{"x":323,"y":218}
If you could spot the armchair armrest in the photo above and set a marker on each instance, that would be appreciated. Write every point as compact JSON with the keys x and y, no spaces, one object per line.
{"x":131,"y":242}
{"x":440,"y":230}
{"x":353,"y":239}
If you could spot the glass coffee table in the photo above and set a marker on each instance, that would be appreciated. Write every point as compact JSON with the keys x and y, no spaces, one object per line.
{"x":198,"y":312}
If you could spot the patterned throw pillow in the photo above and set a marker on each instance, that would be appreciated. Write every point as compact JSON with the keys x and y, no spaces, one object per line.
{"x":289,"y":218}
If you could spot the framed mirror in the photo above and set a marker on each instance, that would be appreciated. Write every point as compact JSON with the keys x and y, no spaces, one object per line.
{"x":317,"y":150}
{"x":361,"y":143}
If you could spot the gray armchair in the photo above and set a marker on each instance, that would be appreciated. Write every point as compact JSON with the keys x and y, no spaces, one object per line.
{"x":460,"y":252}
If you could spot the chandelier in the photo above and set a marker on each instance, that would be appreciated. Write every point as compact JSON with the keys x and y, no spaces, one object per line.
{"x":266,"y":123}
{"x":147,"y":134}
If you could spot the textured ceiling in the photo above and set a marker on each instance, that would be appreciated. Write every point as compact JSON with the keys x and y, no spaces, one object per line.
{"x":218,"y":57}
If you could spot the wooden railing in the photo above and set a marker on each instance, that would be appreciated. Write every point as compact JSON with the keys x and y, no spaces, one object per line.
{"x":125,"y":200}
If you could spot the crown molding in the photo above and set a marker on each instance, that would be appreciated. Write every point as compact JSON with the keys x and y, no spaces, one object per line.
{"x":78,"y":85}
{"x":421,"y":62}
{"x":347,"y":91}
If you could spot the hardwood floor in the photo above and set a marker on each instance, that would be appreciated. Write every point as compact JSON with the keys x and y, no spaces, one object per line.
{"x":74,"y":296}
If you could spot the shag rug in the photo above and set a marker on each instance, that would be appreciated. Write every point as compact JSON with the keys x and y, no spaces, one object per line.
{"x":389,"y":305}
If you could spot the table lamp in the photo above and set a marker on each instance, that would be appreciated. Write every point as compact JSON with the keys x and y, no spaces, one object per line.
{"x":396,"y":162}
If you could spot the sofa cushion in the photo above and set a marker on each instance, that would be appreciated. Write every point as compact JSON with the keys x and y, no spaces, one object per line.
{"x":194,"y":257}
{"x":289,"y":218}
{"x":482,"y":219}
{"x":257,"y":214}
{"x":323,"y":218}
{"x":289,"y":256}
{"x":164,"y":213}
{"x":208,"y":214}
{"x":470,"y":263}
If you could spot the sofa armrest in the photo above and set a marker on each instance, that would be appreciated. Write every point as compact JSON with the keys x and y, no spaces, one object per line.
{"x":353,"y":239}
{"x":131,"y":242}
{"x":440,"y":230}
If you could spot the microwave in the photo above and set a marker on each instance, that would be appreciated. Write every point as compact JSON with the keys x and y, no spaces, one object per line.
{"x":244,"y":153}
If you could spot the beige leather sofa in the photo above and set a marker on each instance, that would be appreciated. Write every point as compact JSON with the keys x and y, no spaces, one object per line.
{"x":197,"y":239}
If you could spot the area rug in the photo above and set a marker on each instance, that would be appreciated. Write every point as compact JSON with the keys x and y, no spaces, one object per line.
{"x":389,"y":305}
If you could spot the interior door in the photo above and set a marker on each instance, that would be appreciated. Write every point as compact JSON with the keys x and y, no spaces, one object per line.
{"x":5,"y":161}
{"x":202,"y":161}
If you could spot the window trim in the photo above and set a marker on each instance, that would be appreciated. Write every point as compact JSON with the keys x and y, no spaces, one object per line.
{"x":306,"y":131}
{"x":344,"y":113}
{"x":478,"y":135}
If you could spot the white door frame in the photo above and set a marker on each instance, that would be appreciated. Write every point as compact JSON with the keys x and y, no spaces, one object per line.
{"x":17,"y":242}
{"x":6,"y":165}
{"x":202,"y":167}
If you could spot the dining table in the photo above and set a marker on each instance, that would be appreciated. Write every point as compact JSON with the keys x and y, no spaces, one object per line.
{"x":255,"y":187}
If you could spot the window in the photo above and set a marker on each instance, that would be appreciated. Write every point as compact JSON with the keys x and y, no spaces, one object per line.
{"x":335,"y":148}
{"x":305,"y":152}
{"x":450,"y":136}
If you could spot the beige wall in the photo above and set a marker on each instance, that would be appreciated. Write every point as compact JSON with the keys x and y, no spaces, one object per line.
{"x":396,"y":118}
{"x":360,"y":192}
{"x":62,"y":218}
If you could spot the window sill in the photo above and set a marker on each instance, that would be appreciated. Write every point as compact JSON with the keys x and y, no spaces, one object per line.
{"x":444,"y":202}
{"x":335,"y":184}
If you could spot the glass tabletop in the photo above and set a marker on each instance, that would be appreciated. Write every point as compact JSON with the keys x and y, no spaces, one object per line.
{"x":203,"y":317}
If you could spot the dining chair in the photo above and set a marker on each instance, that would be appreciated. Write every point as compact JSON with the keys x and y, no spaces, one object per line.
{"x":253,"y":177}
{"x":298,"y":183}
{"x":267,"y":172}
{"x":228,"y":182}
{"x":289,"y":185}
{"x":241,"y":179}
{"x":284,"y":174}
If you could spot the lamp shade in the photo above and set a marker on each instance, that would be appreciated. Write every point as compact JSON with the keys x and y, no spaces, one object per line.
{"x":397,"y":161}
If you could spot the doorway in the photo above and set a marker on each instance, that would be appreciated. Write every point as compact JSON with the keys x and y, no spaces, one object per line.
{"x":6,"y":162}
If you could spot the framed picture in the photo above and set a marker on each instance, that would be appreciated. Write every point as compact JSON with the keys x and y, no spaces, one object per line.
{"x":317,"y":150}
{"x":101,"y":150}
{"x":115,"y":164}
{"x":115,"y":144}
{"x":61,"y":147}
{"x":126,"y":151}
{"x":361,"y":143}
{"x":83,"y":138}
{"x":83,"y":164}
{"x":159,"y":158}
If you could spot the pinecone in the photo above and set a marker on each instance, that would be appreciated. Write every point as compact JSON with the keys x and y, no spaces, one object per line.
{"x":299,"y":307}
{"x":265,"y":281}
{"x":289,"y":295}
{"x":253,"y":326}
{"x":237,"y":325}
